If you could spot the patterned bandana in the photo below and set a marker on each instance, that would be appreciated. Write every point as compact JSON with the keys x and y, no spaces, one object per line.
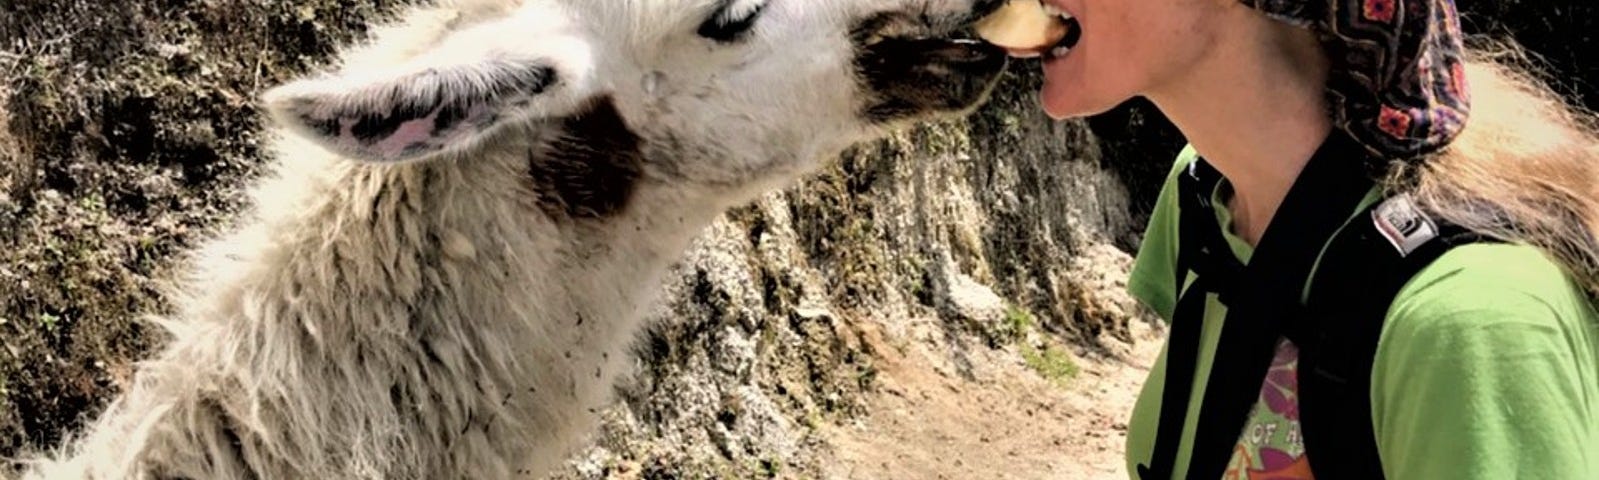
{"x":1398,"y":83}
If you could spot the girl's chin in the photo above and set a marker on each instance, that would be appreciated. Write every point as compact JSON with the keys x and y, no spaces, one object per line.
{"x":1057,"y":95}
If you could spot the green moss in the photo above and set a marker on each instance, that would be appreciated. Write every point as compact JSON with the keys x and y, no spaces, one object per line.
{"x":1019,"y":320}
{"x":1050,"y":362}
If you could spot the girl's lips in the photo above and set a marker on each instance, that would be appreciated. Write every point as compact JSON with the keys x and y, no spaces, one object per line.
{"x":1056,"y":91}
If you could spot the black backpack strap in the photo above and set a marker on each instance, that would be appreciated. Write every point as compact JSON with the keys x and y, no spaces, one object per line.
{"x":1198,"y":242}
{"x":1331,"y":186}
{"x":1201,"y":248}
{"x":1337,"y":340}
{"x":1258,"y":298}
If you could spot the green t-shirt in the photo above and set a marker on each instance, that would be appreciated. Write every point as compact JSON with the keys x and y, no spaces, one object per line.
{"x":1487,"y":368}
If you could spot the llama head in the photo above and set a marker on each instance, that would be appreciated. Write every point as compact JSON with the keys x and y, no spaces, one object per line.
{"x":728,"y":93}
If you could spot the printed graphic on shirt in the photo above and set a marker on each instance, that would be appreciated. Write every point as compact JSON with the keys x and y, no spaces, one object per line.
{"x":1271,"y":448}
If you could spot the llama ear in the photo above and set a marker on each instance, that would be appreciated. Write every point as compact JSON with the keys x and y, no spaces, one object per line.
{"x":444,"y":100}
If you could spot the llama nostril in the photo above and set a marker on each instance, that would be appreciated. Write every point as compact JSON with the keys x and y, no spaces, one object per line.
{"x":962,"y":52}
{"x":965,"y":52}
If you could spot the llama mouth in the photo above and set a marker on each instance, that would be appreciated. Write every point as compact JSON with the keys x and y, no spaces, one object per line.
{"x":915,"y":71}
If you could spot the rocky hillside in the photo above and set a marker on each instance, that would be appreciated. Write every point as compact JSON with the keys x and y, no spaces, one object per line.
{"x":126,"y":132}
{"x":127,"y":128}
{"x":1001,"y":229}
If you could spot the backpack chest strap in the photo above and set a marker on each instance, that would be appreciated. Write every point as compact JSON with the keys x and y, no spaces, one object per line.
{"x":1262,"y":295}
{"x":1362,"y":269}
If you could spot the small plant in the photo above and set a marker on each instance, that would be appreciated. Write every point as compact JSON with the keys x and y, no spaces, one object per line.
{"x":1051,"y":363}
{"x":49,"y":321}
{"x":1019,"y":320}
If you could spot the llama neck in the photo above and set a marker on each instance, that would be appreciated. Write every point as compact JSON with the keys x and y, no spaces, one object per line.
{"x":432,"y":300}
{"x":349,"y":251}
{"x":633,"y":251}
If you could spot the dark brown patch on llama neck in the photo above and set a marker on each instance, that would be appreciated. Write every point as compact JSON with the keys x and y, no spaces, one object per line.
{"x":592,"y":168}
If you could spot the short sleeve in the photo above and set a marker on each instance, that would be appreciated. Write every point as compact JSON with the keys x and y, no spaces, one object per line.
{"x":1486,"y":370}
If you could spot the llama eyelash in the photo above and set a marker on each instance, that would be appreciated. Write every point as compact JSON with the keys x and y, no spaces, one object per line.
{"x":732,"y":20}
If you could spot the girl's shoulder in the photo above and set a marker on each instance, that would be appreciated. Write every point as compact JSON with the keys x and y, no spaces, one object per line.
{"x":1512,"y":280}
{"x":1488,"y":367}
{"x":1493,"y":298}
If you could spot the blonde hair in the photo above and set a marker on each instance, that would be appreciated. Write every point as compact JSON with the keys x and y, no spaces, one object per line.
{"x":1525,"y":169}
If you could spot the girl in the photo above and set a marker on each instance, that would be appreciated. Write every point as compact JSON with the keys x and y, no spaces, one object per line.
{"x":1484,"y":360}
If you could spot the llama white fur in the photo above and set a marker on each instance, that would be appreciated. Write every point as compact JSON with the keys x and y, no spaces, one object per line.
{"x":443,"y":274}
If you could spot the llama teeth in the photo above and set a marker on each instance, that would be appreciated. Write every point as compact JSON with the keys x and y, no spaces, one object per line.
{"x":1060,"y":51}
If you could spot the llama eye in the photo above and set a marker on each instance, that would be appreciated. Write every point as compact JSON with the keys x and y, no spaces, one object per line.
{"x":731,"y":20}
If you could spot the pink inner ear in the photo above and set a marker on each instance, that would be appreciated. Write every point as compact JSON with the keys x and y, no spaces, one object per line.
{"x":412,"y":137}
{"x":410,"y":133}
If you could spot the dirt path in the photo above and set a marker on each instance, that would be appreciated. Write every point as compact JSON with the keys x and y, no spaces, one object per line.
{"x":1004,"y":421}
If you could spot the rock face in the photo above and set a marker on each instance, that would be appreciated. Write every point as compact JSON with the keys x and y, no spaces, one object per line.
{"x":128,"y":128}
{"x":965,"y":221}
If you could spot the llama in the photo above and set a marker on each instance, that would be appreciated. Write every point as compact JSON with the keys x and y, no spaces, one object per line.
{"x":443,"y":274}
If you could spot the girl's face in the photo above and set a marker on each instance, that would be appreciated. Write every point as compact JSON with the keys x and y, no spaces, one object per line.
{"x":1128,"y":48}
